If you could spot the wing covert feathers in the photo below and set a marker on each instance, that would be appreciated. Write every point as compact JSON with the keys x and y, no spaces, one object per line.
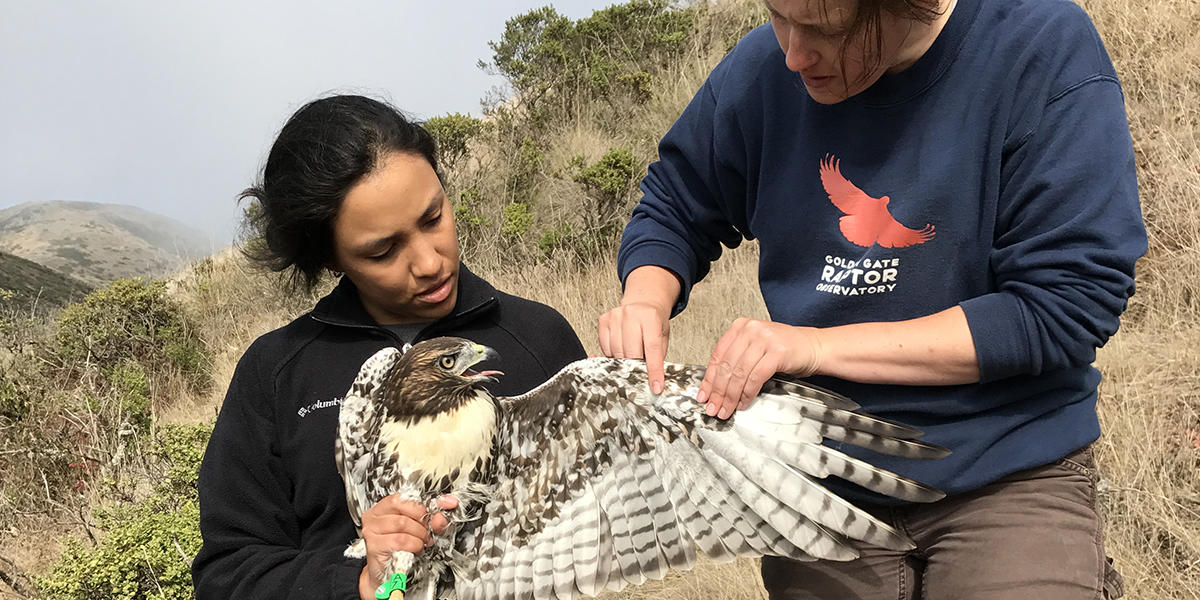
{"x":353,"y":448}
{"x":600,"y":485}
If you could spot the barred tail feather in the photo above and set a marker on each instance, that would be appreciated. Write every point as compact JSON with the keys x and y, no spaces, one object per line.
{"x":746,"y":534}
{"x":822,"y":461}
{"x":641,"y":533}
{"x":794,"y":489}
{"x":685,"y":510}
{"x":564,"y":571}
{"x":585,"y":547}
{"x":776,"y":418}
{"x":623,"y":547}
{"x":801,"y":532}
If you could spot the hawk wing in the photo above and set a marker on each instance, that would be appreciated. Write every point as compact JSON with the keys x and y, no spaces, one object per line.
{"x":355,"y":444}
{"x":600,"y":484}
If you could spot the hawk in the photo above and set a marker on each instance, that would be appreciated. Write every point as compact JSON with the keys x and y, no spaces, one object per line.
{"x":590,"y":482}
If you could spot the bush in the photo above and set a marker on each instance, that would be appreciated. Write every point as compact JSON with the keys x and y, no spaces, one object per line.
{"x":611,"y":176}
{"x":556,"y":239}
{"x":130,"y":389}
{"x":453,"y":133}
{"x":547,"y":57}
{"x":608,"y":182}
{"x":148,"y":546}
{"x":14,"y":404}
{"x":518,"y":219}
{"x":130,"y":320}
{"x":527,"y":165}
{"x":638,"y":86}
{"x":466,"y":211}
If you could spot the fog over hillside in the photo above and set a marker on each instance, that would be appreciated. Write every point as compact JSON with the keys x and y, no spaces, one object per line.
{"x":96,"y":243}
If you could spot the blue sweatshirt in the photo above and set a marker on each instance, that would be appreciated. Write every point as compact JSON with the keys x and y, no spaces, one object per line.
{"x":996,"y":174}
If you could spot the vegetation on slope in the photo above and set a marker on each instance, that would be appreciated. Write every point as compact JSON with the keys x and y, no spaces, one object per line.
{"x":25,"y":284}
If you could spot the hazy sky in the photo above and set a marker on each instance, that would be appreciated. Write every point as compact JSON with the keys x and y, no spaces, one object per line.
{"x":171,"y":106}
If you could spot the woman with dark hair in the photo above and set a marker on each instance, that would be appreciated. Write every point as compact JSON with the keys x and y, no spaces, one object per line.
{"x":945,"y":199}
{"x":350,"y":186}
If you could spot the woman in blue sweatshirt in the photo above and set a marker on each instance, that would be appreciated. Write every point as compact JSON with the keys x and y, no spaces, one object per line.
{"x":945,"y":199}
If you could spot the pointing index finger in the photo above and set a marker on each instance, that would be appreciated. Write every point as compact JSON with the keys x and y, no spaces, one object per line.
{"x":656,"y":352}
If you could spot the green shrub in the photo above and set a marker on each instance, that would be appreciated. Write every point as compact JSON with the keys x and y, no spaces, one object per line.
{"x":532,"y":49}
{"x":611,"y":175}
{"x":181,"y":448}
{"x":130,"y":388}
{"x":545,"y":56}
{"x":14,"y":404}
{"x":467,"y":210}
{"x":147,"y":546}
{"x":130,"y":320}
{"x":527,"y":163}
{"x":453,"y":133}
{"x":556,"y":239}
{"x":472,"y":225}
{"x":638,"y":86}
{"x":608,"y":182}
{"x":518,"y":219}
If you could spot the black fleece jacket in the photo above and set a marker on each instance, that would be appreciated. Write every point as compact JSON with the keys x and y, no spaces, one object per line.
{"x":272,"y":506}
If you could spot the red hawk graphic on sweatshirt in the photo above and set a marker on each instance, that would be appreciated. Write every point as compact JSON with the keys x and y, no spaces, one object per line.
{"x":867,"y":219}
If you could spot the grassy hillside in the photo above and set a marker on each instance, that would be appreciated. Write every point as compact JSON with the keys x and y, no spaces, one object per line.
{"x":28,"y":283}
{"x":97,"y":243}
{"x":540,"y":188}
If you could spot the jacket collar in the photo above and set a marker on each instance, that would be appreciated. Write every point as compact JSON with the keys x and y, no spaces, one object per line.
{"x":342,"y":307}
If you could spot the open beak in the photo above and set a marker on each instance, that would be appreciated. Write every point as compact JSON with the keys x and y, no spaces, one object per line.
{"x":477,"y":354}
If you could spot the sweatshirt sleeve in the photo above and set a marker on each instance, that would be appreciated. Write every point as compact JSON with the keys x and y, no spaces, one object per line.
{"x":682,"y":218}
{"x":252,"y":546}
{"x":1069,"y":230}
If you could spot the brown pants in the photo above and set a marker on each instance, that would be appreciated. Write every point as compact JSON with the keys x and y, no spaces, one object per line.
{"x":1033,"y":535}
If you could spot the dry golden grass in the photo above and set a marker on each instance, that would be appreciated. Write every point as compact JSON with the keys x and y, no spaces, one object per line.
{"x":1150,"y":398}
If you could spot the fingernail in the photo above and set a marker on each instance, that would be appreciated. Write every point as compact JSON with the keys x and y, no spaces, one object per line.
{"x":656,"y":387}
{"x":710,"y":410}
{"x":701,"y":397}
{"x":724,"y":414}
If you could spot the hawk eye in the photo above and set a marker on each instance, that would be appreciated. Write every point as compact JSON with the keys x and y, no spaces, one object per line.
{"x":448,"y":361}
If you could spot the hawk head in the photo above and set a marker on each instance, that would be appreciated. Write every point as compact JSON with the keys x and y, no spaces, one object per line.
{"x":435,"y":376}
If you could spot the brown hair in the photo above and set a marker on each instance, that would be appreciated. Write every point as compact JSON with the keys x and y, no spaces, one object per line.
{"x":867,"y":21}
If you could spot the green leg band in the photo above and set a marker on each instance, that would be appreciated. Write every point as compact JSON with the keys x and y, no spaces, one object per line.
{"x":398,"y":582}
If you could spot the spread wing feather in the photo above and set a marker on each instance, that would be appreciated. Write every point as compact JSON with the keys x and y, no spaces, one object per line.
{"x":600,"y":485}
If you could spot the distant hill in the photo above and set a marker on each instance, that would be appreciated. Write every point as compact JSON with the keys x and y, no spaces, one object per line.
{"x":32,"y":282}
{"x":97,"y":243}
